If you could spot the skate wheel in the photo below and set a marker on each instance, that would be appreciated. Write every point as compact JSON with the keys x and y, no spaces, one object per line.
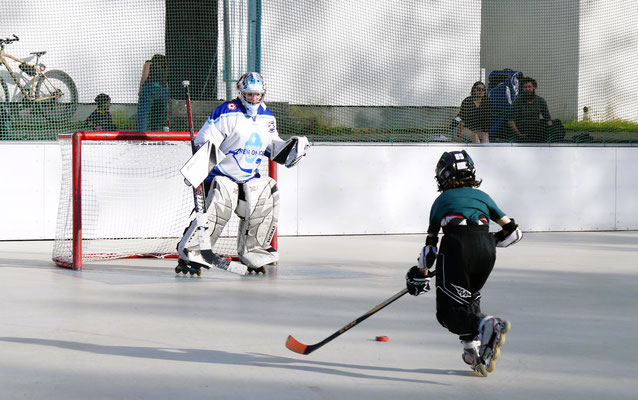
{"x":178,"y":269}
{"x":480,"y":370}
{"x":497,"y":354}
{"x":491,"y":367}
{"x":198,"y":272}
{"x":507,"y":326}
{"x":501,"y":341}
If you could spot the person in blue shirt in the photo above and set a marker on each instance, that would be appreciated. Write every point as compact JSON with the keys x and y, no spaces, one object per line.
{"x":465,"y":260}
{"x":152,"y":108}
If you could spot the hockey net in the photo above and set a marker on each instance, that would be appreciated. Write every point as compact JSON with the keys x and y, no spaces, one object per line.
{"x":122,"y":196}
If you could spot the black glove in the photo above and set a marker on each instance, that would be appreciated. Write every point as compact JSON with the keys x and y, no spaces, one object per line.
{"x":417,"y":282}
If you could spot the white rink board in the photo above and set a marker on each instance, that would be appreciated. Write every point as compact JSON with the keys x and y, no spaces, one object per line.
{"x":30,"y":182}
{"x":627,"y":189}
{"x":380,"y":189}
{"x":363,"y":189}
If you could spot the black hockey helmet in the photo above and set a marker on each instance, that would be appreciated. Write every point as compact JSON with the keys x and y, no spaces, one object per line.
{"x":454,"y":166}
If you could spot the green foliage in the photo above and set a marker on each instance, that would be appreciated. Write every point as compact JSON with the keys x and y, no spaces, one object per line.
{"x":123,"y":122}
{"x":606,"y":126}
{"x":35,"y":130}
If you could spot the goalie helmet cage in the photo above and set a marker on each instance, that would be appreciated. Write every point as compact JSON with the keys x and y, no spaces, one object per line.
{"x":122,"y":196}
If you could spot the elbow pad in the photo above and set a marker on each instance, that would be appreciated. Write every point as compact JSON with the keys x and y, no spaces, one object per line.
{"x":509,"y":235}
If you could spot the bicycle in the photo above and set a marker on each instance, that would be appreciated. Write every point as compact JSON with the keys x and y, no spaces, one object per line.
{"x":52,"y":93}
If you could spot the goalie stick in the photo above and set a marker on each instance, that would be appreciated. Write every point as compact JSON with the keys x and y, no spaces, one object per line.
{"x":200,"y":213}
{"x":298,"y":347}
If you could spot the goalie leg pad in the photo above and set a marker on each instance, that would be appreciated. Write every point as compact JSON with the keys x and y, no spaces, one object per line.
{"x":259,"y":214}
{"x":221,"y":202}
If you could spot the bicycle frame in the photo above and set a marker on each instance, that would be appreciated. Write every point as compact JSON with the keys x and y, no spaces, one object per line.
{"x":29,"y":92}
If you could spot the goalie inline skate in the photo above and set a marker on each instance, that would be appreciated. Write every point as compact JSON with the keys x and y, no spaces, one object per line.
{"x":184,"y":268}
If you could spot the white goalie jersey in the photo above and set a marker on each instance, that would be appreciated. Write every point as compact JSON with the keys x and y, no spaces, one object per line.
{"x":240,"y":142}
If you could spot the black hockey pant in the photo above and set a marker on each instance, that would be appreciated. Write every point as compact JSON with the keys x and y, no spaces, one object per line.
{"x":465,"y":260}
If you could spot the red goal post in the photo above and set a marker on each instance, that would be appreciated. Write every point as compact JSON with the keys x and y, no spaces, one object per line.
{"x":122,"y":196}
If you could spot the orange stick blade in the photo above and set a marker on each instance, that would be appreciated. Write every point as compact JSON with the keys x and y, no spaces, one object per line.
{"x":296,"y":346}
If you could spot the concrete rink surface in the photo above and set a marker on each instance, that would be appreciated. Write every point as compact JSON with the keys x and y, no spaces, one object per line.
{"x":132,"y":329}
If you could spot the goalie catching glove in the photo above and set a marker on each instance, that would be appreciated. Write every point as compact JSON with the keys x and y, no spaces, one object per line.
{"x":291,"y":151}
{"x":509,"y":235}
{"x":417,"y":281}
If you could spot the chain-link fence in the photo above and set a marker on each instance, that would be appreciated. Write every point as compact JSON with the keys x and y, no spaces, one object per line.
{"x":362,"y":70}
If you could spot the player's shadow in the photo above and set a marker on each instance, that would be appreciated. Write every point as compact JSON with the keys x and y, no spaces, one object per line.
{"x":243,"y":359}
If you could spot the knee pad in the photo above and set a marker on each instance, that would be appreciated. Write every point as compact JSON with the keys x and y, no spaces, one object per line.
{"x":258,"y":209}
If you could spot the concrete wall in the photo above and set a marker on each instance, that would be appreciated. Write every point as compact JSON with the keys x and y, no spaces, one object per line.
{"x":539,"y":38}
{"x":378,"y":189}
{"x":608,"y":60}
{"x":582,"y":53}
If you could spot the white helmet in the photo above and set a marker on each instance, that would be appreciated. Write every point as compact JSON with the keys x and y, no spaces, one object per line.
{"x":251,"y":82}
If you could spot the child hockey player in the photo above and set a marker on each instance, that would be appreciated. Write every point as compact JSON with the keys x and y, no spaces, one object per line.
{"x":465,"y":259}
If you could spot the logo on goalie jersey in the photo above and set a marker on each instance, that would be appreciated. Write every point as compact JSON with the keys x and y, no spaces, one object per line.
{"x":252,"y":148}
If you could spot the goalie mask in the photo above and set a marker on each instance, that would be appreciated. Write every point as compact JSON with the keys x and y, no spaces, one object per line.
{"x":251,"y":82}
{"x":454,"y":166}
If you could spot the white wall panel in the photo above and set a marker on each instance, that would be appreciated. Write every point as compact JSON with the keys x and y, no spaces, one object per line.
{"x":27,"y":190}
{"x":627,"y":188}
{"x":378,"y":189}
{"x":51,"y":188}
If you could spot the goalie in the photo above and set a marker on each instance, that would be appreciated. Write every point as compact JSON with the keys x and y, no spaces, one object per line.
{"x":465,"y":259}
{"x":239,"y":136}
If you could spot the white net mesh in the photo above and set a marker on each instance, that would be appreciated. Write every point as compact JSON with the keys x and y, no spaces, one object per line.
{"x":362,"y":70}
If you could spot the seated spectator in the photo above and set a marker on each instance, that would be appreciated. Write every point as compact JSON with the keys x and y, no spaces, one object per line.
{"x":530,"y":120}
{"x":152,"y":108}
{"x":502,"y":89}
{"x":475,"y":116}
{"x":100,"y":119}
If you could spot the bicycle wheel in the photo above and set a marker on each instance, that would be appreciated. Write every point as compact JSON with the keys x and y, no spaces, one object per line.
{"x":59,"y":96}
{"x":5,"y":117}
{"x":4,"y":92}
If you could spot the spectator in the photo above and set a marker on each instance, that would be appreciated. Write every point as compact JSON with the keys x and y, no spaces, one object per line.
{"x":475,"y":115}
{"x":100,"y":119}
{"x":152,"y":108}
{"x":530,"y":119}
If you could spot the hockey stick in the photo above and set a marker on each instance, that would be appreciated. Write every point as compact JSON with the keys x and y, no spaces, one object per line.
{"x":298,"y":347}
{"x":200,"y":211}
